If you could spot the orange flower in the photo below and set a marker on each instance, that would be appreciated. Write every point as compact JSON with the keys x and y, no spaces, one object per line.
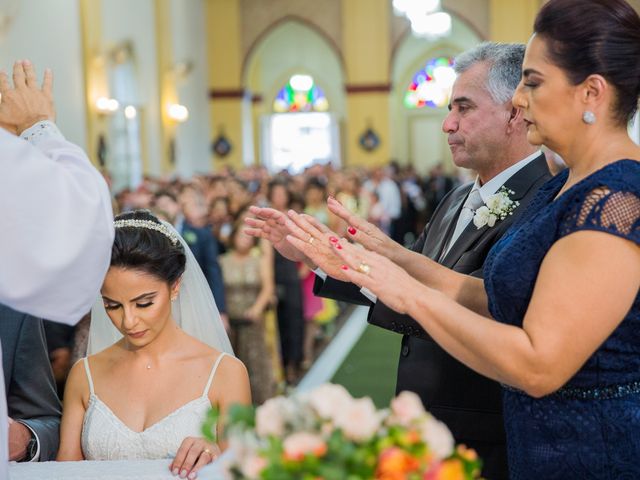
{"x":447,"y":470}
{"x":467,"y":453}
{"x":394,"y":464}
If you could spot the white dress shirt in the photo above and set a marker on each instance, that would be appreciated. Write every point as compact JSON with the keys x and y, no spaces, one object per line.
{"x":486,"y":190}
{"x":57,"y":232}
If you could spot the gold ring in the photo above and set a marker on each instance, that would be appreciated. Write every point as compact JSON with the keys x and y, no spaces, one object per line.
{"x":311,"y":239}
{"x":208,"y":452}
{"x":364,"y":268}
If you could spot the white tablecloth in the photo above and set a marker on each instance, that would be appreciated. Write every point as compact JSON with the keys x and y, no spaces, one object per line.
{"x":104,"y":470}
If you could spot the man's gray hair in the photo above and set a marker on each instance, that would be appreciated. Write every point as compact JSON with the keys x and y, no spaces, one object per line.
{"x":505,"y":67}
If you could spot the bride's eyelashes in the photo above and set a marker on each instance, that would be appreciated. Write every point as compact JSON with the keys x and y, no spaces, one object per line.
{"x":116,"y":306}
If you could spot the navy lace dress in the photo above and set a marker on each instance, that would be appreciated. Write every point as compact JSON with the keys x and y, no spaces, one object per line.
{"x":590,"y":428}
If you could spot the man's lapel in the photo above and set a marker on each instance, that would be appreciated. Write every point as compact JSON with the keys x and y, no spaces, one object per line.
{"x":433,"y":248}
{"x":520,"y":183}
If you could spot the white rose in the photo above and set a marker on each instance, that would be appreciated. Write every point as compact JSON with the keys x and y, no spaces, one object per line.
{"x":269,"y":418}
{"x":494,"y":202}
{"x":406,"y":408}
{"x":492,"y":220}
{"x":329,"y":400}
{"x":438,"y":437}
{"x":360,"y":420}
{"x":481,"y":218}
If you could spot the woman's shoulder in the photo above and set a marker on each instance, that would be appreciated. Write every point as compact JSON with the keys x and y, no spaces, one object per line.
{"x":623,"y":175}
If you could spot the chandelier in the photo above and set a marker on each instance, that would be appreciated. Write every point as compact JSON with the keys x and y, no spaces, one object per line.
{"x":427,"y":20}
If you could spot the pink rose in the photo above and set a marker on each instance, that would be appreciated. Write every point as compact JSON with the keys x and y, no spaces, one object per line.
{"x":299,"y":444}
{"x":406,"y":409}
{"x":269,"y":419}
{"x":252,"y":466}
{"x":438,"y":437}
{"x":329,"y":400}
{"x":359,"y":420}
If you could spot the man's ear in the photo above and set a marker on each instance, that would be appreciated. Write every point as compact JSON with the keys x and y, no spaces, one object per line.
{"x":515,"y":118}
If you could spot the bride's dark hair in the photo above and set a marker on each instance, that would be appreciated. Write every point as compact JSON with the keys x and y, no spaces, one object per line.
{"x":146,"y":249}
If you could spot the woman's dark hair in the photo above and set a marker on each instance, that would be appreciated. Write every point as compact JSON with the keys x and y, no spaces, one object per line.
{"x":585,"y":37}
{"x":317,"y":183}
{"x":147,"y":250}
{"x":278,"y":182}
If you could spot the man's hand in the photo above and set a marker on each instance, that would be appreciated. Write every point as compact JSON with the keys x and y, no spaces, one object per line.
{"x":271,"y":225}
{"x":19,"y":438}
{"x":26,"y":103}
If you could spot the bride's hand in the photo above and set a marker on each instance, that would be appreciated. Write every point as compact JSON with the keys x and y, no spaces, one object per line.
{"x":193,"y":454}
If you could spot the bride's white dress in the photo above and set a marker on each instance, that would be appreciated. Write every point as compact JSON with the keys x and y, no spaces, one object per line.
{"x":106,"y":437}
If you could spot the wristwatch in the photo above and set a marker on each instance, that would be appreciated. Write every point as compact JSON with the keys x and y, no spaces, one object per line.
{"x":32,"y":448}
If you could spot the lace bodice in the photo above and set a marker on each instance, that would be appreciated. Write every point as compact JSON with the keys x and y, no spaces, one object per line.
{"x":106,"y":437}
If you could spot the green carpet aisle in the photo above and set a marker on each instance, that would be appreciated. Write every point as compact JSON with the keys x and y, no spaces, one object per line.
{"x":370,"y":367}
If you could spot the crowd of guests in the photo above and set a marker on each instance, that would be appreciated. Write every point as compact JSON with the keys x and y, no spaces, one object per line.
{"x":544,"y":303}
{"x":276,"y":324}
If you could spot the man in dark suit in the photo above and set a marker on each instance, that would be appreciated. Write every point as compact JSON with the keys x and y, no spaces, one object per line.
{"x":32,"y":401}
{"x":201,"y":241}
{"x":486,"y":134}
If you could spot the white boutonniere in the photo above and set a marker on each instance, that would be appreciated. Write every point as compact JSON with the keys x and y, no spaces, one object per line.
{"x":497,"y":207}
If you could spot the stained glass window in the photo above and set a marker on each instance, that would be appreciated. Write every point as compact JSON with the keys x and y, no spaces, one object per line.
{"x":431,"y":85}
{"x":300,"y":94}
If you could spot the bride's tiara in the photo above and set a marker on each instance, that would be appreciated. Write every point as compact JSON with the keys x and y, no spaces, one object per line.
{"x":148,"y":224}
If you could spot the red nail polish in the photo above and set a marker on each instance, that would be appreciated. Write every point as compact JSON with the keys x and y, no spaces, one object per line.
{"x":351,"y":230}
{"x":338,"y":246}
{"x":333,"y":239}
{"x":344,"y":267}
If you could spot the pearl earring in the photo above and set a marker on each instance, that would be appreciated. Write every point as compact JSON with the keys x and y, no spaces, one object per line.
{"x":589,"y":117}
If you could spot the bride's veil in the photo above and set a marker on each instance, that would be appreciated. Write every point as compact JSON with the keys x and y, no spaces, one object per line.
{"x":194,"y":310}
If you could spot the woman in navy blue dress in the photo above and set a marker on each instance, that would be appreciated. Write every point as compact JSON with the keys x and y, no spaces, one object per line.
{"x":557,"y":318}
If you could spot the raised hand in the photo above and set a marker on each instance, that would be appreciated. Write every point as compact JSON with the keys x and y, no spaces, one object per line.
{"x":389,"y":282}
{"x":270,"y":224}
{"x":193,"y":454}
{"x":363,"y":232}
{"x":315,"y":240}
{"x":26,"y":103}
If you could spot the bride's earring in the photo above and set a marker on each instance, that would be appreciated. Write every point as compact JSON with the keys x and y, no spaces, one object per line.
{"x":589,"y":117}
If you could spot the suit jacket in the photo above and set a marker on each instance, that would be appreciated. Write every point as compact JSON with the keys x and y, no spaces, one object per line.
{"x":470,"y":404}
{"x":204,"y":247}
{"x":28,"y":379}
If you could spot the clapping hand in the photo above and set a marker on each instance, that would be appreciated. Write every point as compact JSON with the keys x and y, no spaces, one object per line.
{"x":193,"y":454}
{"x":271,"y":225}
{"x":363,"y":232}
{"x":389,"y":282}
{"x":315,"y":240}
{"x":26,"y":103}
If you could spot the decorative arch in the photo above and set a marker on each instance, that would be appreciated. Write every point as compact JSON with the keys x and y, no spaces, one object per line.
{"x":278,"y":23}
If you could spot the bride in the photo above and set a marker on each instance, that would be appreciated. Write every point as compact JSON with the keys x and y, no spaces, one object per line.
{"x":158,"y":357}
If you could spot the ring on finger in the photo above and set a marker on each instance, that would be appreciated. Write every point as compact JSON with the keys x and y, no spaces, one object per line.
{"x":364,"y":268}
{"x":208,"y":452}
{"x":311,"y":239}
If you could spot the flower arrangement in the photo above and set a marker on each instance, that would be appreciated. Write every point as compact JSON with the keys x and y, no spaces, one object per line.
{"x":497,"y":207}
{"x":327,"y":434}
